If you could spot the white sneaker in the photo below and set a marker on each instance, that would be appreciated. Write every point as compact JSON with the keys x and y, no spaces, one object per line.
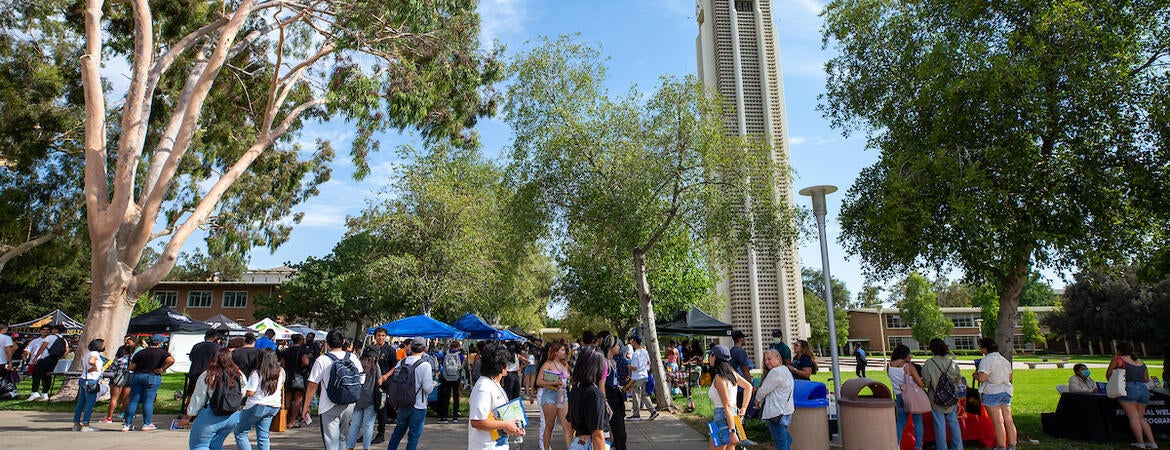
{"x":88,"y":429}
{"x":44,"y":398}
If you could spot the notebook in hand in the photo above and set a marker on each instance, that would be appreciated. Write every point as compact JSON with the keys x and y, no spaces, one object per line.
{"x":512,"y":411}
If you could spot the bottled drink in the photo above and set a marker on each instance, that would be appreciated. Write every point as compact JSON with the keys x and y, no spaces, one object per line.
{"x":962,"y":387}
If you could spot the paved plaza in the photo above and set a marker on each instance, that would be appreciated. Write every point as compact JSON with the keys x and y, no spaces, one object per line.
{"x":51,"y":430}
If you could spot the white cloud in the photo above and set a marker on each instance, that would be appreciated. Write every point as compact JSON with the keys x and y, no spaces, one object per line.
{"x":322,"y":214}
{"x":501,"y":18}
{"x":795,"y":141}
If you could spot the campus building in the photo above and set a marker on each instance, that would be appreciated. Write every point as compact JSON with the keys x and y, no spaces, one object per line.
{"x":235,"y":299}
{"x":737,"y":55}
{"x":882,"y":329}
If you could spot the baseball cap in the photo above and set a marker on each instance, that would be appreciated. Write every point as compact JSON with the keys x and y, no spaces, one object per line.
{"x":777,"y":333}
{"x":159,"y":339}
{"x":720,"y":352}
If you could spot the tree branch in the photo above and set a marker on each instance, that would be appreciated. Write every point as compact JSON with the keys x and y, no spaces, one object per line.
{"x":11,"y":252}
{"x":97,"y":194}
{"x":135,"y":113}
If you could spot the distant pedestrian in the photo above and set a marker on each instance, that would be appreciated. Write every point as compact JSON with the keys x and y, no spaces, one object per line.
{"x":87,"y":386}
{"x":724,"y":381}
{"x":775,"y":393}
{"x":222,"y":385}
{"x":588,"y":413}
{"x":640,"y":374}
{"x":7,"y":348}
{"x":49,"y":349}
{"x":411,"y":420}
{"x":200,"y":357}
{"x":331,"y":415}
{"x":860,"y":359}
{"x":296,"y":361}
{"x":268,"y":341}
{"x":265,"y":390}
{"x":386,"y":357}
{"x":246,"y":356}
{"x":614,"y":395}
{"x":936,"y":372}
{"x":450,"y":383}
{"x":553,"y":380}
{"x":486,"y":395}
{"x":740,"y":361}
{"x":120,"y":383}
{"x":146,"y":369}
{"x":995,"y":392}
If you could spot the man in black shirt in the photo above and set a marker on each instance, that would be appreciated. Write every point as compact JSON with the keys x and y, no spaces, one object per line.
{"x":386,"y":357}
{"x":296,"y":362}
{"x":245,"y":357}
{"x":200,"y":356}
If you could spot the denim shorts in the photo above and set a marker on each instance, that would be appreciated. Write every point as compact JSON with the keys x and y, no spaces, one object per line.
{"x":530,"y":369}
{"x":549,"y":396}
{"x":1136,"y":392}
{"x":1002,"y":398}
{"x":582,"y":443}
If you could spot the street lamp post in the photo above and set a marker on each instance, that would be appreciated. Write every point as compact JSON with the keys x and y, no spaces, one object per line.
{"x":882,"y":328}
{"x":819,"y":210}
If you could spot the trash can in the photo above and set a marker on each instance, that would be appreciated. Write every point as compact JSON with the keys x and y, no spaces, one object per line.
{"x":810,"y":421}
{"x":866,"y":419}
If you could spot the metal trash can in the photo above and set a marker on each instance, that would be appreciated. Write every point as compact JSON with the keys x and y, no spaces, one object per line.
{"x":810,"y":421}
{"x":866,"y":419}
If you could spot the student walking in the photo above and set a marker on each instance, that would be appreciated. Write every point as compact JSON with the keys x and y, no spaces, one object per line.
{"x":486,"y":395}
{"x":588,"y":413}
{"x":146,"y":369}
{"x":614,"y":395}
{"x":296,"y":361}
{"x":450,"y":383}
{"x":942,"y":377}
{"x":386,"y":356}
{"x":365,"y":411}
{"x":640,"y":373}
{"x":88,"y":387}
{"x":332,"y":411}
{"x":860,"y":359}
{"x":553,"y":380}
{"x":52,"y":348}
{"x":265,"y":391}
{"x":215,"y":404}
{"x":411,"y":419}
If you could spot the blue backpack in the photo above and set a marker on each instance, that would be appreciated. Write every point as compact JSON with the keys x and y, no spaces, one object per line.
{"x":345,"y":380}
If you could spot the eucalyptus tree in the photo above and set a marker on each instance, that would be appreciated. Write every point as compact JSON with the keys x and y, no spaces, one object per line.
{"x":622,"y":173}
{"x":1012,"y":135}
{"x":164,"y":162}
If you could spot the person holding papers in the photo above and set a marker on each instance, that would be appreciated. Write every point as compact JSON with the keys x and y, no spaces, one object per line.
{"x":487,"y":396}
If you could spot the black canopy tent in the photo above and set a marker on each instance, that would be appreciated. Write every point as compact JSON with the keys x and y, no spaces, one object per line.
{"x":219,"y":322}
{"x":57,"y":317}
{"x":694,"y":322}
{"x":165,"y":320}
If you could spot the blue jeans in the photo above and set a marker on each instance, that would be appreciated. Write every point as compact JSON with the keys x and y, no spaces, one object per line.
{"x":361,"y":423}
{"x":85,"y":401}
{"x":900,"y":419}
{"x":143,"y":387}
{"x":780,"y":435}
{"x":941,"y":423}
{"x":209,"y":430}
{"x":412,"y":420}
{"x":258,"y":416}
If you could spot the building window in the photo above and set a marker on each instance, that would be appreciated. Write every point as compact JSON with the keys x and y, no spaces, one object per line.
{"x":167,"y":298}
{"x":908,"y":341}
{"x":743,"y":7}
{"x":199,"y":299}
{"x":895,"y":321}
{"x":235,"y":299}
{"x":963,"y":320}
{"x":965,"y":343}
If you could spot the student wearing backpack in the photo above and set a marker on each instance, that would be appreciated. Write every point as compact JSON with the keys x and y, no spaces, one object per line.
{"x":942,"y":377}
{"x":265,"y":389}
{"x":450,"y":384}
{"x":216,"y":403}
{"x":51,"y":350}
{"x":339,"y":374}
{"x":416,"y":378}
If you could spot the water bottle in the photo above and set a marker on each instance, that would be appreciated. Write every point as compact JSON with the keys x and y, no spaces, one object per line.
{"x":962,"y":387}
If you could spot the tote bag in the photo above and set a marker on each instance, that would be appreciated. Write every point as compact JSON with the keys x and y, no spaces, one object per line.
{"x":1116,"y":386}
{"x":914,"y":398}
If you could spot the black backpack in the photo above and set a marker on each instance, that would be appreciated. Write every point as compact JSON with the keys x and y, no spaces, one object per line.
{"x":944,"y":393}
{"x":345,"y":380}
{"x":225,"y":399}
{"x":400,"y":388}
{"x":57,"y":350}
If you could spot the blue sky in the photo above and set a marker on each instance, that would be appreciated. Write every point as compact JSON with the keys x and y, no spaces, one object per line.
{"x":644,"y":40}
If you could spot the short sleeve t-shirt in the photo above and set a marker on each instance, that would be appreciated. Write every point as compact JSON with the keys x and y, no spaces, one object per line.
{"x":259,"y":396}
{"x":999,"y":372}
{"x":485,"y":396}
{"x":739,"y":358}
{"x":149,"y":359}
{"x":320,"y":374}
{"x":784,"y":351}
{"x":641,"y":364}
{"x":245,"y":358}
{"x":801,"y":363}
{"x":86,"y":374}
{"x":201,"y":355}
{"x":34,"y":346}
{"x":586,"y":410}
{"x":5,"y":342}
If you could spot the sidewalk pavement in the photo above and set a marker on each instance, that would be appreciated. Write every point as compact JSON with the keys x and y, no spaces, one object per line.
{"x":52,"y":430}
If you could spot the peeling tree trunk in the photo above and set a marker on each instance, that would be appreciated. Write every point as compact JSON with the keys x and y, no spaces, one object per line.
{"x":1009,"y":302}
{"x":649,"y":334}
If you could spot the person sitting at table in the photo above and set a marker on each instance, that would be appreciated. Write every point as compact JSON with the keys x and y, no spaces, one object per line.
{"x":1080,"y":381}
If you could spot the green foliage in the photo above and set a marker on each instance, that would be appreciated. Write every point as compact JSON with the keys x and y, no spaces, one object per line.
{"x":51,"y":276}
{"x":200,"y":267}
{"x":987,"y":298}
{"x":1115,"y":305}
{"x":921,"y":312}
{"x":1011,"y":135}
{"x":145,"y":304}
{"x":952,"y":293}
{"x":1037,"y":292}
{"x":1030,"y":328}
{"x":869,"y":297}
{"x":815,"y":309}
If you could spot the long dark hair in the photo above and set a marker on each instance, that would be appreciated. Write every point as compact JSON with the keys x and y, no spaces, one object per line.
{"x":221,"y":365}
{"x":1126,"y":349}
{"x":723,"y":368}
{"x":590,"y":366}
{"x":268,"y":369}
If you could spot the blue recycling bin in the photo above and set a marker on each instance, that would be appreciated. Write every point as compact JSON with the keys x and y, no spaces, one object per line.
{"x":810,"y":422}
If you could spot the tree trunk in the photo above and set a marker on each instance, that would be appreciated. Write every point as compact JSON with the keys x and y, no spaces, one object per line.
{"x":649,"y":334}
{"x":1009,"y":302}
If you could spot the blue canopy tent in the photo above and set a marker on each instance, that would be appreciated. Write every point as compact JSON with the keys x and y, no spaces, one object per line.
{"x":477,"y":328}
{"x":419,"y":326}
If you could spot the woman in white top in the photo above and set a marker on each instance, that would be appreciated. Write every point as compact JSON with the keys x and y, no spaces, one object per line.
{"x":91,"y":374}
{"x":265,"y":389}
{"x":776,"y":394}
{"x":209,"y":429}
{"x":995,"y":392}
{"x":724,"y":380}
{"x":902,"y":370}
{"x":487,"y":395}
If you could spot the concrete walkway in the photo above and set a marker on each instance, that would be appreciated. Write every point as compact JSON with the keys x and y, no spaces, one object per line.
{"x":52,"y":430}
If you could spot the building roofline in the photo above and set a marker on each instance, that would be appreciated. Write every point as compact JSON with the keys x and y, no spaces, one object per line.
{"x":952,"y":309}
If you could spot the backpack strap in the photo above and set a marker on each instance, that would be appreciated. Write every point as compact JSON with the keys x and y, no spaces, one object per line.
{"x":334,"y":357}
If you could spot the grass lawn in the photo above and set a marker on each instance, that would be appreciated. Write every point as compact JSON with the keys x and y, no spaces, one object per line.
{"x":164,"y":403}
{"x":1035,"y":392}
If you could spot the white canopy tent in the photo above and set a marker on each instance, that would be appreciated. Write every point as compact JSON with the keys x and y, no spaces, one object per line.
{"x":266,"y":324}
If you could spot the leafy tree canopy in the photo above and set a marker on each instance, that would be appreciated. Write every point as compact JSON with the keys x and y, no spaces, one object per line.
{"x":919,"y":309}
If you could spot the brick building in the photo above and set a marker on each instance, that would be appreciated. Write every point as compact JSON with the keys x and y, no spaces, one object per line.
{"x":235,"y":299}
{"x":873,"y":327}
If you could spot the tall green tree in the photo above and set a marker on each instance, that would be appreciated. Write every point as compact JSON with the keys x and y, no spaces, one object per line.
{"x":952,"y":293}
{"x":869,"y":296}
{"x":815,"y":312}
{"x":624,"y":172}
{"x":1037,"y":292}
{"x":1030,"y":328}
{"x":919,"y":309}
{"x":1012,"y":135}
{"x":163,"y":155}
